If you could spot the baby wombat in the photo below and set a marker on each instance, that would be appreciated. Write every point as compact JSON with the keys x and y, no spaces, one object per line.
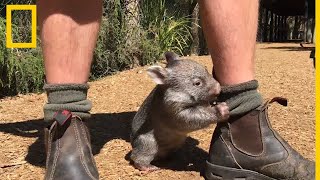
{"x":183,"y":101}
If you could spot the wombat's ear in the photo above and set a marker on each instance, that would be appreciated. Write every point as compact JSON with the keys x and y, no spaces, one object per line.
{"x":158,"y":74}
{"x":171,"y":56}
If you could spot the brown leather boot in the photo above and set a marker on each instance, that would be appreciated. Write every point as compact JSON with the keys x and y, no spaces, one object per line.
{"x":68,"y":148}
{"x":248,"y":148}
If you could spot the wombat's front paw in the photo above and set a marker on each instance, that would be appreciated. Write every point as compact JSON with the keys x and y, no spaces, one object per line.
{"x":223,"y":111}
{"x":146,"y":168}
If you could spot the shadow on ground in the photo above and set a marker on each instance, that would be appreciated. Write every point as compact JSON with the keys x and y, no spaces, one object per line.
{"x":104,"y":128}
{"x":187,"y":158}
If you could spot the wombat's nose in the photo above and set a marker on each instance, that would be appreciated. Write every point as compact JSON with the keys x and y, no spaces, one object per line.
{"x":215,"y":90}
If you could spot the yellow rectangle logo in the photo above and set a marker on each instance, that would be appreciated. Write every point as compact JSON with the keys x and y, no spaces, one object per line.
{"x":9,"y":41}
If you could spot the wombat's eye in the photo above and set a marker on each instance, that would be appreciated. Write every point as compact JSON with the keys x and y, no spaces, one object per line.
{"x":197,"y":83}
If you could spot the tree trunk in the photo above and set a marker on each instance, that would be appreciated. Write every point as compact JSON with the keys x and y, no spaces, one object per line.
{"x":195,"y":30}
{"x":133,"y":27}
{"x":132,"y":12}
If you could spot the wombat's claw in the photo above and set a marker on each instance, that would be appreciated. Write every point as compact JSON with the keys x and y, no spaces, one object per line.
{"x":223,"y":111}
{"x":146,"y":168}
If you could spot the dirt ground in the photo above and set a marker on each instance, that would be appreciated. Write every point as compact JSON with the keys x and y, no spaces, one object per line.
{"x":282,"y":70}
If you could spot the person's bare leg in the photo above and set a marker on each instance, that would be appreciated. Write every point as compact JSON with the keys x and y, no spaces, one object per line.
{"x":245,"y":146}
{"x":230,"y":28}
{"x":69,"y":31}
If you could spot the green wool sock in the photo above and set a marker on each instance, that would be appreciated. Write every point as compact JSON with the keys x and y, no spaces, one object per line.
{"x":72,"y":97}
{"x":241,"y":98}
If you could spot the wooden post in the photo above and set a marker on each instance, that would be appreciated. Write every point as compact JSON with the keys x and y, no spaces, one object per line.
{"x":295,"y":33}
{"x":265,"y":31}
{"x":278,"y":28}
{"x":271,"y":28}
{"x":260,"y":25}
{"x":306,"y":23}
{"x":285,"y":27}
{"x":275,"y":28}
{"x":313,"y":30}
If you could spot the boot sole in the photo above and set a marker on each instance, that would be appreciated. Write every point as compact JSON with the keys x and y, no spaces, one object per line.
{"x":215,"y":172}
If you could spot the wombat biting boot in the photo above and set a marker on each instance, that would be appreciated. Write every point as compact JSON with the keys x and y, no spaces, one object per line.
{"x":246,"y":147}
{"x":69,"y":155}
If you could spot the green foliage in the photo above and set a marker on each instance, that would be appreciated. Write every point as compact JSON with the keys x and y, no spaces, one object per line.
{"x":170,"y":32}
{"x":121,"y":45}
{"x":21,"y":70}
{"x":174,"y":35}
{"x":22,"y":23}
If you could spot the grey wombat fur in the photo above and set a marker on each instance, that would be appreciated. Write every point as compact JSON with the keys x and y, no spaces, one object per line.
{"x":178,"y":105}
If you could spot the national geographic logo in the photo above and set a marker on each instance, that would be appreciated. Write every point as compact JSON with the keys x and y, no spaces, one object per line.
{"x":9,"y":42}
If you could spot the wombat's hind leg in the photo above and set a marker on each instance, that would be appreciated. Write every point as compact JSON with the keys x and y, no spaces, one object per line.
{"x":142,"y":161}
{"x":144,"y":151}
